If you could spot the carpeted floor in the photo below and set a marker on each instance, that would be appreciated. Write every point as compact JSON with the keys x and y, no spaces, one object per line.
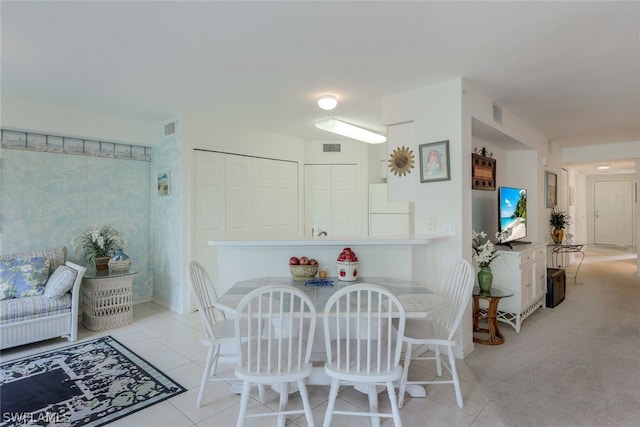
{"x":577,"y":364}
{"x":87,"y":384}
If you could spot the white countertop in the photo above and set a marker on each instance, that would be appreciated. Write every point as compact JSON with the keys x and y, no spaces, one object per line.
{"x":324,"y":241}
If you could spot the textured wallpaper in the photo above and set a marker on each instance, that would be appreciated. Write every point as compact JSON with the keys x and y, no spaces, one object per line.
{"x":47,"y":197}
{"x":167,"y":225}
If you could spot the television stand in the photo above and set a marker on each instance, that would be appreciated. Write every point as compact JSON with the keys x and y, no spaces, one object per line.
{"x":513,"y":242}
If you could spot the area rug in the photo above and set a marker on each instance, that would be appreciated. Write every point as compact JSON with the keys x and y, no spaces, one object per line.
{"x":88,"y":384}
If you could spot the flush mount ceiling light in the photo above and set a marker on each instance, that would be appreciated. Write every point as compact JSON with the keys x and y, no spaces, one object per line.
{"x":327,"y":102}
{"x":604,"y":167}
{"x":350,"y":131}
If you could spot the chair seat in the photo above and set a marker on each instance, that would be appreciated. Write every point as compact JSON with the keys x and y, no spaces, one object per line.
{"x":418,"y":331}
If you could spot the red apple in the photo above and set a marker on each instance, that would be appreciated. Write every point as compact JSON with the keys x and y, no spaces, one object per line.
{"x":294,"y":261}
{"x":304,"y":260}
{"x":313,"y":262}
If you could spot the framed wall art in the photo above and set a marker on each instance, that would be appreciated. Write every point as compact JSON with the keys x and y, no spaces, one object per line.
{"x":434,"y":162}
{"x":483,"y":172}
{"x":164,"y":184}
{"x":552,"y":189}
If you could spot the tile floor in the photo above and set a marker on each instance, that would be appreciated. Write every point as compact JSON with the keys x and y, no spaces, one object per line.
{"x":171,"y":342}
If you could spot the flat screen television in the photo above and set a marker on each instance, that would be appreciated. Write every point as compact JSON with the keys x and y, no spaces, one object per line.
{"x":512,"y":212}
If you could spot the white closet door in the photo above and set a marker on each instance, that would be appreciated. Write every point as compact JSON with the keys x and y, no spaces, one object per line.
{"x":317,"y":199}
{"x":346,"y":200}
{"x":239,"y":214}
{"x":265,"y":209}
{"x":286,"y":203}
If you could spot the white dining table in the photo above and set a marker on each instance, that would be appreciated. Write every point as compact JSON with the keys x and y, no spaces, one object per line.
{"x":416,"y":299}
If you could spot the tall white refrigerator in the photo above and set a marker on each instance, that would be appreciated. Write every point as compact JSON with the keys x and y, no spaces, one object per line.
{"x":388,"y":218}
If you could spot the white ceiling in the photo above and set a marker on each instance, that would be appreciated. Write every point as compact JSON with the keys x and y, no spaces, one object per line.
{"x":571,"y":70}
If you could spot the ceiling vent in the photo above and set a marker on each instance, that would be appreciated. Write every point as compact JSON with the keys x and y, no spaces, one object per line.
{"x":497,"y":114}
{"x":170,"y":129}
{"x":330,"y":148}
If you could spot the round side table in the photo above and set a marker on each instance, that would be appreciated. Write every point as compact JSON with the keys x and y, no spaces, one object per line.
{"x":107,"y":300}
{"x":493,"y":295}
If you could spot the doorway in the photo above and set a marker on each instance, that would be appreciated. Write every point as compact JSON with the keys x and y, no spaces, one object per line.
{"x":613,"y":212}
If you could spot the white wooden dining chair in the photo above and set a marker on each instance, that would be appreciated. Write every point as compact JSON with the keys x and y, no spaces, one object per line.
{"x":440,"y":329}
{"x":219,"y":331}
{"x":274,"y":327}
{"x":363,"y":346}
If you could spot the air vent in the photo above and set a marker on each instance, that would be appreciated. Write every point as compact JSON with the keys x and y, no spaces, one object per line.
{"x":497,"y":114}
{"x":330,"y":148}
{"x":170,"y":129}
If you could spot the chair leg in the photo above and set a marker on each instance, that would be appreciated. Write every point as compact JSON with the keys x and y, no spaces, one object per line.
{"x":372,"y":391}
{"x":391,"y":390}
{"x":331,"y":403}
{"x":284,"y":398}
{"x":405,"y":375}
{"x":206,"y":374}
{"x":454,"y":376}
{"x":304,"y":394}
{"x":438,"y":361}
{"x":244,"y":400}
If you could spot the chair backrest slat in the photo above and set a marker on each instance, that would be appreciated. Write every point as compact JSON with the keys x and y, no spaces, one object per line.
{"x":457,"y":289}
{"x":275,"y":325}
{"x":205,"y":297}
{"x":363,"y":327}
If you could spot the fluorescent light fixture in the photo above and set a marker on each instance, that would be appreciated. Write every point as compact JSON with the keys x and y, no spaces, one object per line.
{"x":604,"y":167}
{"x":351,"y":131}
{"x":327,"y":102}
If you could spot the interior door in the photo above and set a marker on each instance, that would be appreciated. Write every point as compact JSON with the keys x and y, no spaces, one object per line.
{"x":208,"y":206}
{"x":613,"y":214}
{"x":317,"y":199}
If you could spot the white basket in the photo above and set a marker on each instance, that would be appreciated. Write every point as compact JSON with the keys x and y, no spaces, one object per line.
{"x":347,"y":271}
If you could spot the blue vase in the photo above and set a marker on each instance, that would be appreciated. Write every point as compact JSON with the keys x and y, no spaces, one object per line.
{"x":119,"y":261}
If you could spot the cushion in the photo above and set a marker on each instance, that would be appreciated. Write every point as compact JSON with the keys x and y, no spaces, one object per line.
{"x":23,"y":277}
{"x":60,"y":282}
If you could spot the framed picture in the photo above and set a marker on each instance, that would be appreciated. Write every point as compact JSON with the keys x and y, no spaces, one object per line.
{"x":483,"y":172}
{"x":164,"y":184}
{"x":434,"y":162}
{"x":552,"y":189}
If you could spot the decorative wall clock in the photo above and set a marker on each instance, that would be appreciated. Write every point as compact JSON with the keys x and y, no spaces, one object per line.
{"x":401,"y":161}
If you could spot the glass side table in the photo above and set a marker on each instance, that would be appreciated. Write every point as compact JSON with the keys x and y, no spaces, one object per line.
{"x":107,"y":300}
{"x":493,"y":295}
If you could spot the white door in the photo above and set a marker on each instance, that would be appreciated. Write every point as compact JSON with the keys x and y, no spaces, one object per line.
{"x":346,"y":202}
{"x":613,"y":215}
{"x":286,"y":202}
{"x":264,"y":196}
{"x":239,"y":215}
{"x":208,"y":206}
{"x":317,"y":199}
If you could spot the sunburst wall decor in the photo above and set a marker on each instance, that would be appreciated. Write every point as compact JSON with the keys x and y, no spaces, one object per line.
{"x":401,"y":161}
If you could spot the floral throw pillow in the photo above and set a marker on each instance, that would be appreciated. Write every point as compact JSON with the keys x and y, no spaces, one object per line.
{"x":23,"y":277}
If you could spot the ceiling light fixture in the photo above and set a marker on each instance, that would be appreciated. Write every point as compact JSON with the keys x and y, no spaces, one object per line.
{"x":327,"y":102}
{"x":604,"y":167}
{"x":350,"y":131}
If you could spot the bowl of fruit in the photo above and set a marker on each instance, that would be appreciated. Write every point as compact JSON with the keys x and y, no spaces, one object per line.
{"x":347,"y":264}
{"x":303,"y":268}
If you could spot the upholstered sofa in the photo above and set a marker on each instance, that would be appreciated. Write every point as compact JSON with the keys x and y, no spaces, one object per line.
{"x":39,"y":296}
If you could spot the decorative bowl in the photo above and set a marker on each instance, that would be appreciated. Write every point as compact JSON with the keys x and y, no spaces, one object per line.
{"x":303,"y":272}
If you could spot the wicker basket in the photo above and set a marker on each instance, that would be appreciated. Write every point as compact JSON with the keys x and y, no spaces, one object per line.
{"x":107,"y":303}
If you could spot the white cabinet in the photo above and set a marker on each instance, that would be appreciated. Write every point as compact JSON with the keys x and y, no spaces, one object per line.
{"x":523,"y":270}
{"x":332,"y":200}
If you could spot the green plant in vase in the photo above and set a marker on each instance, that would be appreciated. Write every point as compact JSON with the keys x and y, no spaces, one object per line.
{"x":98,"y":244}
{"x":558,"y":220}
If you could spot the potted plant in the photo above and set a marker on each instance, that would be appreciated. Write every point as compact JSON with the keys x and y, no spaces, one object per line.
{"x":484,"y":252}
{"x":98,"y":244}
{"x":558,"y":221}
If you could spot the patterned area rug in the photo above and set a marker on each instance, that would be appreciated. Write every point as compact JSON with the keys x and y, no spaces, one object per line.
{"x":88,"y":384}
